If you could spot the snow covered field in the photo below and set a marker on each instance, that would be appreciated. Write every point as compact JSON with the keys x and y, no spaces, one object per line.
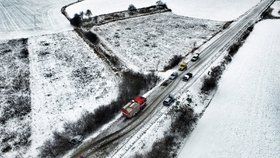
{"x":31,"y":17}
{"x":149,"y":42}
{"x":222,"y":10}
{"x":67,"y":79}
{"x":56,"y":82}
{"x":243,"y":118}
{"x":276,"y":9}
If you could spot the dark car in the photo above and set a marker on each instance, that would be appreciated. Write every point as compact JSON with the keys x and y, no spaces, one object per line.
{"x":173,"y":76}
{"x":169,"y":100}
{"x":195,"y":57}
{"x":187,"y":76}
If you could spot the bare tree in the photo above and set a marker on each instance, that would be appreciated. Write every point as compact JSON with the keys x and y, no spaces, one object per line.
{"x":88,"y":13}
{"x":131,"y":9}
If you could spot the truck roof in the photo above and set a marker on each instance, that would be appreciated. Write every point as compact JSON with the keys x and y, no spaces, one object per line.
{"x":140,"y":99}
{"x":130,"y":106}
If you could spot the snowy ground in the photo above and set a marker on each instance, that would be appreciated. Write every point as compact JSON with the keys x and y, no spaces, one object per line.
{"x":243,"y":118}
{"x":66,"y":79}
{"x":276,"y":9}
{"x":149,"y":42}
{"x":222,"y":10}
{"x":15,"y":101}
{"x":31,"y":17}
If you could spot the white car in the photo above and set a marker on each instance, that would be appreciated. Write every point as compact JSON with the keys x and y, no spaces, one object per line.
{"x":187,"y":76}
{"x":173,"y":76}
{"x":195,"y":57}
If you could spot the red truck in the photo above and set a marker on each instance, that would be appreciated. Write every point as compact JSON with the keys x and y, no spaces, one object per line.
{"x":134,"y":106}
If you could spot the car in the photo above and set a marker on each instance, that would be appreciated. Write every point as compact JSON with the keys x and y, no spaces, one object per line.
{"x":187,"y":76}
{"x":195,"y":57}
{"x":169,"y":100}
{"x":173,"y":76}
{"x":166,"y":83}
{"x":183,"y":65}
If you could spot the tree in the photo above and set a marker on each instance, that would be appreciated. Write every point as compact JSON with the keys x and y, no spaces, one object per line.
{"x":159,"y":3}
{"x":82,"y":15}
{"x":76,"y":20}
{"x":88,"y":13}
{"x":131,"y":8}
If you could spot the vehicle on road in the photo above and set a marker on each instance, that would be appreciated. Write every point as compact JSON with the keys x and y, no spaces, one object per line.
{"x":169,"y":100}
{"x":173,"y":76}
{"x":195,"y":57}
{"x":187,"y":76}
{"x":134,"y":106}
{"x":183,"y":65}
{"x":165,"y":83}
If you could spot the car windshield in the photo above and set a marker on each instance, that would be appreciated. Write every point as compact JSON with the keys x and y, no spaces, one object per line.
{"x":167,"y":100}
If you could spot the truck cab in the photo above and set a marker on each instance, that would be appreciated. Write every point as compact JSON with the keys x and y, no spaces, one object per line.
{"x":134,"y":106}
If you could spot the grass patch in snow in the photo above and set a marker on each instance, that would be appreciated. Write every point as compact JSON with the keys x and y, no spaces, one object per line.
{"x":14,"y":96}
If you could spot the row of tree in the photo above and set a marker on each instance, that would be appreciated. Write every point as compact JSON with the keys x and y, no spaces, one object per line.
{"x":78,"y":18}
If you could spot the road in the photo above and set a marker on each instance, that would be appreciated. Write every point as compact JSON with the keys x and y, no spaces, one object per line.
{"x":122,"y":127}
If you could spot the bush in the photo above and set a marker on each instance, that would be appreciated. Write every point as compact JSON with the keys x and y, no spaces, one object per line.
{"x":162,"y":148}
{"x":24,"y":53}
{"x":91,"y":37}
{"x":227,"y":24}
{"x":57,"y":146}
{"x":17,"y":106}
{"x":211,"y":82}
{"x":173,"y":62}
{"x":76,"y":20}
{"x":183,"y":121}
{"x":131,"y":8}
{"x":159,"y":2}
{"x":235,"y":47}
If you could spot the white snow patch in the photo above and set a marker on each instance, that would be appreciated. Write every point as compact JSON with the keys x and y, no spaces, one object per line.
{"x":276,"y":9}
{"x":222,"y":10}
